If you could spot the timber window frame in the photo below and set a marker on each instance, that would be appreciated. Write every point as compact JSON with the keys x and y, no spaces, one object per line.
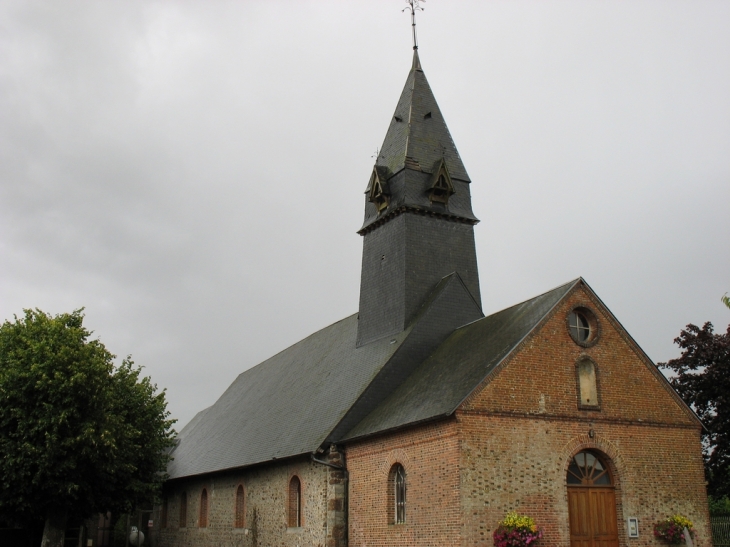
{"x":294,"y":507}
{"x":183,"y":522}
{"x":583,"y":326}
{"x":397,"y":486}
{"x":163,"y":513}
{"x":203,"y":510}
{"x":441,"y":188}
{"x":239,"y":508}
{"x":587,"y":468}
{"x":377,"y":191}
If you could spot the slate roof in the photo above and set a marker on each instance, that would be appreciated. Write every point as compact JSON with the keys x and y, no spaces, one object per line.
{"x":422,"y":140}
{"x":459,"y":365}
{"x":284,"y":406}
{"x":324,"y":388}
{"x":416,"y":142}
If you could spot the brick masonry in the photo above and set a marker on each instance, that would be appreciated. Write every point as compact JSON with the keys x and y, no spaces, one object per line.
{"x":509,"y":445}
{"x":430,"y":457}
{"x":266,"y":496}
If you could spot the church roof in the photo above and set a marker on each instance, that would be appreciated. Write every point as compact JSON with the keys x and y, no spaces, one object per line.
{"x":284,"y":406}
{"x":459,"y":365}
{"x":325,"y":389}
{"x":416,"y":145}
{"x":417,"y":136}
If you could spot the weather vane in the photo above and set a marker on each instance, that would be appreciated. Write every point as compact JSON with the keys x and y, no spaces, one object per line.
{"x":413,"y":7}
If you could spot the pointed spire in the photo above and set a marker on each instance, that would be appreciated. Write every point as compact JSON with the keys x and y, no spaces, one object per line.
{"x":416,"y":145}
{"x":418,"y":136}
{"x":418,"y":224}
{"x":416,"y":61}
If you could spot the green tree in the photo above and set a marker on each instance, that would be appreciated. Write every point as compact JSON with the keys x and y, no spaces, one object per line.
{"x":78,"y":435}
{"x":703,"y":380}
{"x":725,"y":300}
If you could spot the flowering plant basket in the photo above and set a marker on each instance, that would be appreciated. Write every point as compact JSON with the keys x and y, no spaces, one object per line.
{"x":516,"y":531}
{"x":671,"y":529}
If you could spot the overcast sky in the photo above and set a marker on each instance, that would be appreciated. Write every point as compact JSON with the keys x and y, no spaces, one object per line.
{"x":192,"y":173}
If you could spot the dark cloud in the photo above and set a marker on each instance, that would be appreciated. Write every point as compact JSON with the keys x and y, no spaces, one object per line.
{"x":192,"y":173}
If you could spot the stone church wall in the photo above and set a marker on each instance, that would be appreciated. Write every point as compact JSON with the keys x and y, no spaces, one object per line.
{"x":266,"y":497}
{"x":520,"y":432}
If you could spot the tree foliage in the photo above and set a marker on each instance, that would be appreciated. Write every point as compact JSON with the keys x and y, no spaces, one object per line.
{"x":77,"y":434}
{"x":703,"y":381}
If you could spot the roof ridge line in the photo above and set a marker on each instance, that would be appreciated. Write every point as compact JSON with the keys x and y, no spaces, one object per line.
{"x":511,"y":351}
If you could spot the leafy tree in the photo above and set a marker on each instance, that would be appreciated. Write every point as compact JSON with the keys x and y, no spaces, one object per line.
{"x":703,"y":381}
{"x":719,"y":507}
{"x":78,"y":435}
{"x":725,"y":300}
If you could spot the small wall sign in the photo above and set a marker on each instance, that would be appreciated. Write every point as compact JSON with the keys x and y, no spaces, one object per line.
{"x":633,"y":527}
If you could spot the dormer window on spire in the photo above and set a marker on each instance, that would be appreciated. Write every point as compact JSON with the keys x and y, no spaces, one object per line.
{"x":441,"y":187}
{"x":377,"y":194}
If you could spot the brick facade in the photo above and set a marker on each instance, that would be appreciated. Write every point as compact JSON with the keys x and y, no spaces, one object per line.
{"x":511,"y":442}
{"x":430,"y":457}
{"x":507,"y":447}
{"x":520,"y":431}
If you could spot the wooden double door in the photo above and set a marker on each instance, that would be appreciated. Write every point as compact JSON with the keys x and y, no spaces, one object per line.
{"x":591,"y":503}
{"x":592,"y":517}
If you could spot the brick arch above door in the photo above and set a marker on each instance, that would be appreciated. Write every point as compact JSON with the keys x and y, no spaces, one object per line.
{"x":599,"y":443}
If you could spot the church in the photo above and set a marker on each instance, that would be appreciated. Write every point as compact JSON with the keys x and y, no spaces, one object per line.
{"x":418,"y":420}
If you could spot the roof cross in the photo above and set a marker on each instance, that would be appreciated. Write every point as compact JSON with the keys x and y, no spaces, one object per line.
{"x":413,"y":7}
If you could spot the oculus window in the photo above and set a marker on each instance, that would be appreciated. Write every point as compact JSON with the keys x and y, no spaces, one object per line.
{"x":583,"y":326}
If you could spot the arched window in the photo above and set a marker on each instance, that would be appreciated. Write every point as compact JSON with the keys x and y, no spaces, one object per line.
{"x":587,"y":385}
{"x":203,"y":517}
{"x":397,"y":495}
{"x":183,"y":510}
{"x":163,"y":513}
{"x":295,"y":503}
{"x":587,"y":470}
{"x":240,"y":509}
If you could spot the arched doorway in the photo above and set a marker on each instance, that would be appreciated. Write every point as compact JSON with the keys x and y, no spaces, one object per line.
{"x":591,"y":502}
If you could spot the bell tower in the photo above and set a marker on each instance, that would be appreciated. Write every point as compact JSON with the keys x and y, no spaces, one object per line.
{"x":419,"y":225}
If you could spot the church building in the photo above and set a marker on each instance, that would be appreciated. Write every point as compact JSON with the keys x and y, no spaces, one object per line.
{"x":418,"y":420}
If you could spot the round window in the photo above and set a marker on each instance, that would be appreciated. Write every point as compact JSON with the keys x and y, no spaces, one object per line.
{"x":583,"y":326}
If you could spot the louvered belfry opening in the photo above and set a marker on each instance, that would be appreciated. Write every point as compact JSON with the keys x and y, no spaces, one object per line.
{"x":203,"y":509}
{"x":418,"y":223}
{"x":295,"y":502}
{"x":240,"y":510}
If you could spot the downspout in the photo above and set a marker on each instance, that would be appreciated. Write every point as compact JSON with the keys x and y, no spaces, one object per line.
{"x":347,"y":482}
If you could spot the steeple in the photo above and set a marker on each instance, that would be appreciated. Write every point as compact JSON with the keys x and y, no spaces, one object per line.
{"x":418,"y":225}
{"x":417,"y":142}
